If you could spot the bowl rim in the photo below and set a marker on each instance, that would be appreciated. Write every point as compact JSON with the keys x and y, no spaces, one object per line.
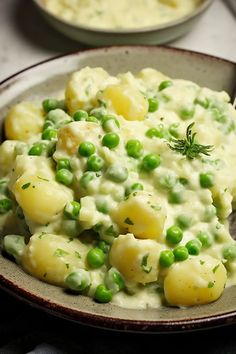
{"x":124,"y":47}
{"x":132,"y":31}
{"x":110,"y":322}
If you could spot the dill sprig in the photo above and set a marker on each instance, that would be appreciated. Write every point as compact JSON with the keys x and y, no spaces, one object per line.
{"x":189,"y":147}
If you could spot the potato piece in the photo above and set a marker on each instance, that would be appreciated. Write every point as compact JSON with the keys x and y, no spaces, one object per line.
{"x":151,"y":77}
{"x":172,"y":3}
{"x":83,"y":86}
{"x":7,"y":156}
{"x":127,"y":101}
{"x":41,"y":199}
{"x":198,"y":280}
{"x":51,"y":257}
{"x":73,"y":134}
{"x":142,"y":215}
{"x":137,"y":260}
{"x":24,"y":121}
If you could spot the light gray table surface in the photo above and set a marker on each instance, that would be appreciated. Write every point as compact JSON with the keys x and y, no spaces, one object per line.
{"x":25,"y":37}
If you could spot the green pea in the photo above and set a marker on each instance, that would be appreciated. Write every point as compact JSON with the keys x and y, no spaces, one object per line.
{"x":63,"y":164}
{"x":134,"y":187}
{"x":167,"y":258}
{"x":5,"y":205}
{"x":183,"y":221}
{"x":187,"y":112}
{"x":92,"y":119}
{"x":204,"y":102}
{"x":181,"y":253}
{"x":86,"y":178}
{"x":151,"y":162}
{"x":95,"y":163}
{"x":104,"y":246}
{"x":206,"y":180}
{"x":102,"y":206}
{"x":155,"y":133}
{"x":14,"y":245}
{"x":3,"y":186}
{"x":111,"y":140}
{"x":80,"y":115}
{"x":72,"y":209}
{"x":176,"y":196}
{"x":49,"y":134}
{"x":152,"y":105}
{"x":114,"y":280}
{"x":229,"y":252}
{"x":134,"y":148}
{"x":64,"y":176}
{"x":52,"y":103}
{"x":58,"y":117}
{"x":48,"y":124}
{"x":102,"y":294}
{"x":99,"y":113}
{"x":174,"y":234}
{"x":95,"y":257}
{"x":167,"y":181}
{"x":205,"y":238}
{"x":110,"y":123}
{"x":86,"y":149}
{"x":173,"y":130}
{"x":210,"y":213}
{"x":117,"y":173}
{"x":164,"y":84}
{"x":78,"y":280}
{"x":36,"y":150}
{"x":194,"y":247}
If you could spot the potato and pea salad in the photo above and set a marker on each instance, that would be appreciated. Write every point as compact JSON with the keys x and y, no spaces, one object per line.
{"x":120,"y":189}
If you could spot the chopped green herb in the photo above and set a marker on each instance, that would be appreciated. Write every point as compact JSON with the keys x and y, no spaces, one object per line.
{"x":44,"y":179}
{"x":45,"y":274}
{"x":41,"y":235}
{"x":145,"y":267}
{"x":67,"y":265}
{"x":26,"y":185}
{"x":60,"y":252}
{"x":210,"y":284}
{"x":128,"y":221}
{"x":215,"y":268}
{"x":77,"y":254}
{"x":202,"y":262}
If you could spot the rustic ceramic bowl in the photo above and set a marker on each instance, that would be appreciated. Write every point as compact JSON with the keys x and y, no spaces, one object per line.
{"x":44,"y":79}
{"x":149,"y":35}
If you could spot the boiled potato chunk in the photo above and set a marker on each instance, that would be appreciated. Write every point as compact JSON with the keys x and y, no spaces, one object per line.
{"x":127,"y":101}
{"x":137,"y":260}
{"x":83,"y":86}
{"x":41,"y":199}
{"x":51,"y":257}
{"x":24,"y":121}
{"x":198,"y":280}
{"x":172,"y":3}
{"x":73,"y":134}
{"x":141,"y":215}
{"x":7,"y":156}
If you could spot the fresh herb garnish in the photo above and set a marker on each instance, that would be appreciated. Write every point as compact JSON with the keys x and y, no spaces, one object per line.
{"x":189,"y":147}
{"x":210,"y":284}
{"x":145,"y":267}
{"x":215,"y":268}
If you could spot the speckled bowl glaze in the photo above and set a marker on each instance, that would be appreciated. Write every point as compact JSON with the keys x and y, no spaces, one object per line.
{"x":159,"y":34}
{"x":46,"y":78}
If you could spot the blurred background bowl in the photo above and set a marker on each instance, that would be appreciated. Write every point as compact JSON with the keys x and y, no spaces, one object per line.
{"x":158,"y":34}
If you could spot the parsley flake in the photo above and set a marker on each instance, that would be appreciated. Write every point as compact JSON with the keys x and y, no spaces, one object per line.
{"x":215,"y":268}
{"x":128,"y":221}
{"x":145,"y":267}
{"x":60,"y":252}
{"x":26,"y":185}
{"x":210,"y":284}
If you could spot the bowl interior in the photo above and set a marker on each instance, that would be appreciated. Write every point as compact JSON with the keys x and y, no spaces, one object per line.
{"x":46,"y":79}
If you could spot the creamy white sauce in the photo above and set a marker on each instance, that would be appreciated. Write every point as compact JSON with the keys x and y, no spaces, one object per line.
{"x":120,"y":14}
